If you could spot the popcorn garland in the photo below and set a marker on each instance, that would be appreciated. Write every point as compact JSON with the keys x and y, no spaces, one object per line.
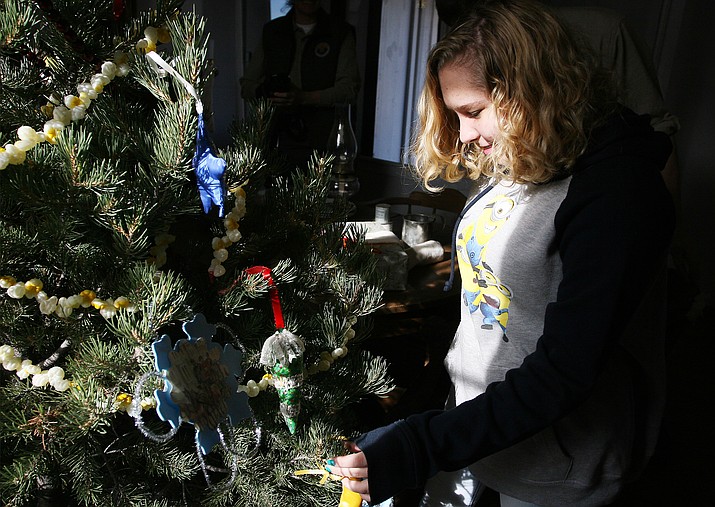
{"x":153,"y":35}
{"x":24,"y":368}
{"x":124,"y":402}
{"x":328,"y":358}
{"x":12,"y":360}
{"x":63,"y":111}
{"x":64,"y":306}
{"x":219,"y":245}
{"x":74,"y":107}
{"x":233,"y":235}
{"x":158,"y":251}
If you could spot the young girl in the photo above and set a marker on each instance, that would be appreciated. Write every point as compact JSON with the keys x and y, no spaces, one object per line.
{"x":557,"y":363}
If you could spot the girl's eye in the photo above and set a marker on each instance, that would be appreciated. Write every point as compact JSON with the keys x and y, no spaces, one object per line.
{"x":475,"y":114}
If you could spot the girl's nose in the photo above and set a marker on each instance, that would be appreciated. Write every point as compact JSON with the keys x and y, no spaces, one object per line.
{"x":467,"y":132}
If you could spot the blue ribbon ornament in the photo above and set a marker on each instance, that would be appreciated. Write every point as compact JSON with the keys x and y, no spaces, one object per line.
{"x":208,"y":167}
{"x":209,"y":171}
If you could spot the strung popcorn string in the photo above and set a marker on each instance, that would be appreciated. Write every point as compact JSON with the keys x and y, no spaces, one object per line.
{"x":11,"y":360}
{"x":158,"y":251}
{"x":64,"y":306}
{"x":63,"y":112}
{"x":153,"y":35}
{"x":24,"y":368}
{"x":328,"y":358}
{"x":233,"y":235}
{"x":124,"y":402}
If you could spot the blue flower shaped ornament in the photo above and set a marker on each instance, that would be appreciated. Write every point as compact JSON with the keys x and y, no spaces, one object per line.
{"x":200,"y":382}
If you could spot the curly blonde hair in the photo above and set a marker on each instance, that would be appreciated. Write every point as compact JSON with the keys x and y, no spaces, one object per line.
{"x":547,"y":92}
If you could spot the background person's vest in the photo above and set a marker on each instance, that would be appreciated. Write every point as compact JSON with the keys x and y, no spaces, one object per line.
{"x":319,"y":61}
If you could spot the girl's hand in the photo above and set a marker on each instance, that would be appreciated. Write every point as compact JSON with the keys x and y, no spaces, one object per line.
{"x":353,"y":467}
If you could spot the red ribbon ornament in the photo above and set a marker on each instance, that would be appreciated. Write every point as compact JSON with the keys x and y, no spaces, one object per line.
{"x":272,"y":293}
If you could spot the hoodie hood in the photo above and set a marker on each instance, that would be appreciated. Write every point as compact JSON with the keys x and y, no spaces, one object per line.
{"x":626,"y":134}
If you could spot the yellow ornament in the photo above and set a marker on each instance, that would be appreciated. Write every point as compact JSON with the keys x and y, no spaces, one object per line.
{"x":349,"y":498}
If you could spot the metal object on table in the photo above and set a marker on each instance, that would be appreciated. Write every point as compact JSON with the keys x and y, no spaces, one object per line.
{"x":416,"y":228}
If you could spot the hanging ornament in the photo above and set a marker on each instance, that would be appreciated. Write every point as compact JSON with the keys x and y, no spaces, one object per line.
{"x":200,"y":384}
{"x":200,"y":387}
{"x":348,"y":498}
{"x":282,"y":354}
{"x":208,"y":167}
{"x":209,"y":171}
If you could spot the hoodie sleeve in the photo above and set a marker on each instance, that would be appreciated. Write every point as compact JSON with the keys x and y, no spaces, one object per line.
{"x":613,"y":230}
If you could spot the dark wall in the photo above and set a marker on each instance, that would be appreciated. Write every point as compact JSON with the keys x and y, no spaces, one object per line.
{"x":689,"y":93}
{"x":679,"y":35}
{"x":643,"y":16}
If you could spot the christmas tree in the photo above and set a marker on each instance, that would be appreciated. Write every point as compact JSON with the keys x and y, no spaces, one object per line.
{"x":179,"y":324}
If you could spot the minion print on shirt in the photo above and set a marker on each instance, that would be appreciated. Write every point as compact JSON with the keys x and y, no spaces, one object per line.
{"x":482,"y":290}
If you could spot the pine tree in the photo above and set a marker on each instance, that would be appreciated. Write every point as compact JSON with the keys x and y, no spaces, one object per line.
{"x":105,"y":249}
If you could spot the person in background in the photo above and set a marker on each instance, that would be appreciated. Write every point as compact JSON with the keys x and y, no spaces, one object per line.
{"x":306,"y":63}
{"x":557,"y":364}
